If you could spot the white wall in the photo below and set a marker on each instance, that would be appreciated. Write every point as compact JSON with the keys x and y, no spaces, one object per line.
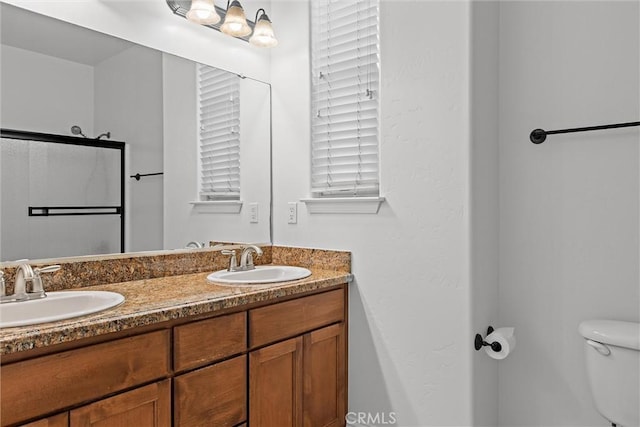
{"x":484,"y":202}
{"x":409,"y":332}
{"x":129,"y":85}
{"x":41,"y":93}
{"x":183,"y":222}
{"x":569,"y":207}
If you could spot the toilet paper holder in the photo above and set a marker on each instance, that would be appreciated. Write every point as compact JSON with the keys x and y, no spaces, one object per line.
{"x":479,"y":342}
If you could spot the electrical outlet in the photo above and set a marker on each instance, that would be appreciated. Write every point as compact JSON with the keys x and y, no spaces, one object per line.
{"x":253,"y":212}
{"x":292,"y":213}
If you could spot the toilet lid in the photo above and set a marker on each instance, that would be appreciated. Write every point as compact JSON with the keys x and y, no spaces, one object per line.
{"x":613,"y":332}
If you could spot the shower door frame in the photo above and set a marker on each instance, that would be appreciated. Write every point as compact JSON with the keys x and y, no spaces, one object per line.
{"x":86,"y":142}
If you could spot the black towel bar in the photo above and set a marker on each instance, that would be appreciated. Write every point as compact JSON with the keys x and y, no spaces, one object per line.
{"x":538,"y":136}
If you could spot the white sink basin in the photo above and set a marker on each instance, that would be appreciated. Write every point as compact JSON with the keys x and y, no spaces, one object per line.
{"x":57,"y":306}
{"x":261,"y":274}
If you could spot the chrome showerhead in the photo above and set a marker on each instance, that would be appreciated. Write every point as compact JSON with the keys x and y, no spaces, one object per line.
{"x":76,"y":130}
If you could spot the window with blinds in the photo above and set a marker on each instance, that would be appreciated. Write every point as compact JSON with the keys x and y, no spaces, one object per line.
{"x":219,"y":119}
{"x":345,"y":87}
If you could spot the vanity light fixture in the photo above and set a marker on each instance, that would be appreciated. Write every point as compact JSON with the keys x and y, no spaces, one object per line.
{"x":203,"y":12}
{"x":234,"y":21}
{"x":263,"y":35}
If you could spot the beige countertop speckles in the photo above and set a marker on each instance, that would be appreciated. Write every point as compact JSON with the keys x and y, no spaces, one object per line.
{"x":156,"y":300}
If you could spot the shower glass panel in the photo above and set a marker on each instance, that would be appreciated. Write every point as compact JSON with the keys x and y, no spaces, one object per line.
{"x":37,"y":179}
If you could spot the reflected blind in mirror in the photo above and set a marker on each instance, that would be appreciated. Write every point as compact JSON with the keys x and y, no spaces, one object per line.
{"x":345,"y":82}
{"x":219,"y":119}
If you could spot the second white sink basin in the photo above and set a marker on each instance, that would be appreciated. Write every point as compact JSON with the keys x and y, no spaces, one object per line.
{"x":261,"y":274}
{"x":57,"y":306}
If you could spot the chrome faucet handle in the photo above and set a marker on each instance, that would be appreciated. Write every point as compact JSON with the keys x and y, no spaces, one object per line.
{"x":36,"y":283}
{"x":47,"y":269}
{"x":233,"y":261}
{"x":3,"y":289}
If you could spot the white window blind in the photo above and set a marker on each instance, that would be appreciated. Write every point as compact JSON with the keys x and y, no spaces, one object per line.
{"x":345,"y":87}
{"x":219,"y":117}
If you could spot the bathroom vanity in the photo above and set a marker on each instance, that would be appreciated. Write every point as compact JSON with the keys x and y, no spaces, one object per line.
{"x":182,"y":351}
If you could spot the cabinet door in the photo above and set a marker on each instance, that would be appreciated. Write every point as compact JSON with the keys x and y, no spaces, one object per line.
{"x":275,"y":385}
{"x":60,"y":420}
{"x":148,"y":406}
{"x":212,"y":396}
{"x":325,"y":373}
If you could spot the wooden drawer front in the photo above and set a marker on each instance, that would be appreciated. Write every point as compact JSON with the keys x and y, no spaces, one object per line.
{"x":60,"y":420}
{"x":46,"y":384}
{"x":148,"y":406}
{"x":212,"y":396}
{"x":291,"y":318}
{"x":199,"y":343}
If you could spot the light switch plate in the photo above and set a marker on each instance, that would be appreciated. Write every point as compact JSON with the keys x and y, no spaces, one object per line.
{"x":292,"y":213}
{"x":253,"y":212}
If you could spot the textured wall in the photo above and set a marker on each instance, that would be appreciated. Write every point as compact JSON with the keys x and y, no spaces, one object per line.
{"x":32,"y":87}
{"x":410,"y":339}
{"x":569,"y":207}
{"x":129,"y":85}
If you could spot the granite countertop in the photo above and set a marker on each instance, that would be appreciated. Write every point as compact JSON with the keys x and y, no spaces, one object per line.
{"x":157,"y":300}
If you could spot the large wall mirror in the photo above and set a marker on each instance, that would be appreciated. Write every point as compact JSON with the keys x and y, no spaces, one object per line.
{"x":57,"y":76}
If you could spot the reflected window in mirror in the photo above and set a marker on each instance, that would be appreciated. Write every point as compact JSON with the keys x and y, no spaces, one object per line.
{"x":219,"y":134}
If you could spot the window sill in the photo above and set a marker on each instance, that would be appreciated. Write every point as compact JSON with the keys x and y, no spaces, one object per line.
{"x":218,"y":206}
{"x":344,"y":205}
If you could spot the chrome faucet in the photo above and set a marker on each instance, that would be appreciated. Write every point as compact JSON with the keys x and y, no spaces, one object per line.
{"x":194,"y":245}
{"x":25,"y":275}
{"x":246,"y":259}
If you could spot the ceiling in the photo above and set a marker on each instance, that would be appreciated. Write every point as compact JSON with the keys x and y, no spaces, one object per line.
{"x":31,"y":31}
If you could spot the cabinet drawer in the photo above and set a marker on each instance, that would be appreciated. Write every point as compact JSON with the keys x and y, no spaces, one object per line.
{"x":199,"y":343}
{"x":145,"y":406}
{"x":287,"y":319}
{"x":60,"y":420}
{"x":49,"y":383}
{"x":213,"y":396}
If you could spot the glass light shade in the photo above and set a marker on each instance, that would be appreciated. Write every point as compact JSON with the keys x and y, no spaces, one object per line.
{"x":235,"y":22}
{"x":263,"y":35}
{"x":203,"y":12}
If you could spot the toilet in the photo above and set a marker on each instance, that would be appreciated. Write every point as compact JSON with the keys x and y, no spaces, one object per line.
{"x":612,"y":355}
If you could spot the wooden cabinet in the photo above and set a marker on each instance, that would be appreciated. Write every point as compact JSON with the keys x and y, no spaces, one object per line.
{"x":46,"y":384}
{"x":325,"y":372}
{"x":301,"y":381}
{"x":215,"y":395}
{"x":198,"y":343}
{"x":276,"y":365}
{"x":287,"y":319}
{"x":60,"y":420}
{"x":148,"y":406}
{"x":275,"y":384}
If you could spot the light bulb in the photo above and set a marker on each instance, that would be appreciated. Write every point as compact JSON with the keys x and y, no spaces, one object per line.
{"x":203,"y":12}
{"x":235,"y":22}
{"x":263,"y":35}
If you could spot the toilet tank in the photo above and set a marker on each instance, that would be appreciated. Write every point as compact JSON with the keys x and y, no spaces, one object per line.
{"x":612,"y":355}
